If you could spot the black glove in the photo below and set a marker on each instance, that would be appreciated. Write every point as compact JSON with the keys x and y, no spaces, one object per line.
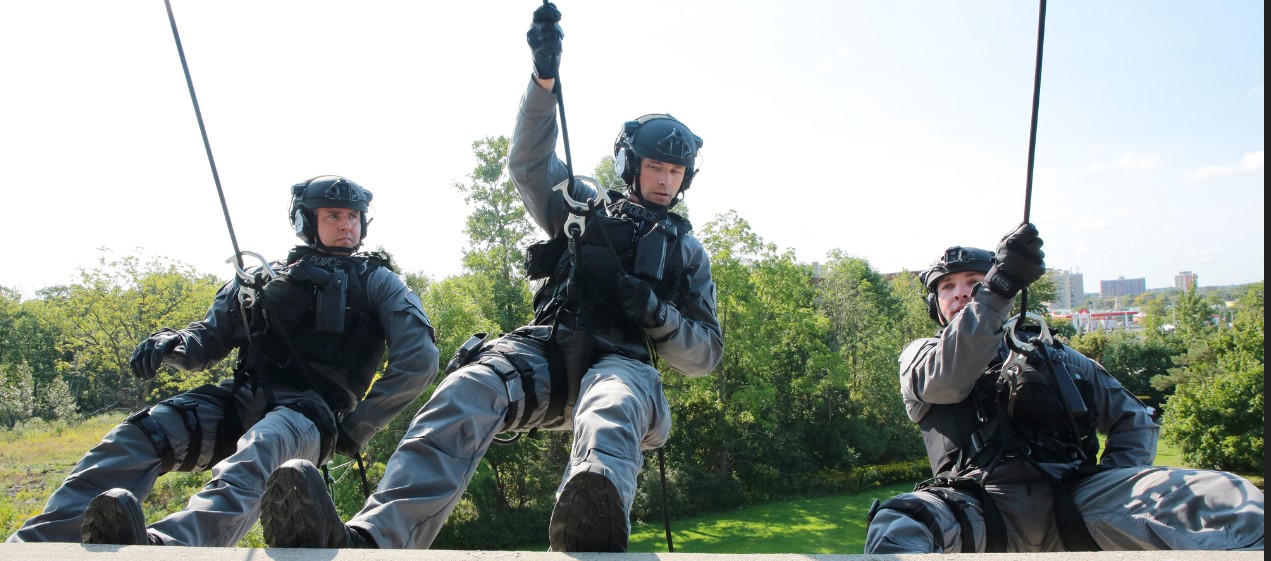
{"x":148,"y":356}
{"x":544,"y":38}
{"x":1018,"y":263}
{"x":640,"y":303}
{"x":345,"y":445}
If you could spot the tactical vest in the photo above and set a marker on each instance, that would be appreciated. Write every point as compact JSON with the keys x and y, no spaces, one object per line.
{"x":320,"y":332}
{"x":974,"y":432}
{"x":625,"y":238}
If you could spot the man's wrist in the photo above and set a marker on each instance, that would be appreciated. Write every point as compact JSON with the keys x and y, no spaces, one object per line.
{"x":1001,"y":283}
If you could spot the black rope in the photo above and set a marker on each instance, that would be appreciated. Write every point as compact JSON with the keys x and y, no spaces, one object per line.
{"x":207,"y":146}
{"x":1032,"y":140}
{"x":366,"y":487}
{"x":666,"y":510}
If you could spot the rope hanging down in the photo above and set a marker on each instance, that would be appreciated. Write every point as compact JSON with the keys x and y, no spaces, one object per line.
{"x":1032,"y":138}
{"x":207,"y":146}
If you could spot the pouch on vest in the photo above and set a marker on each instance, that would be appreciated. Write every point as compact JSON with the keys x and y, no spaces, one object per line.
{"x":542,"y":258}
{"x":329,"y":308}
{"x":466,"y":352}
{"x":650,"y":255}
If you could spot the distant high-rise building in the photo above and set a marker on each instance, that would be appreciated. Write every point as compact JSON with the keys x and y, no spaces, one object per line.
{"x":1122,"y":287}
{"x":1070,"y":289}
{"x":1185,"y":280}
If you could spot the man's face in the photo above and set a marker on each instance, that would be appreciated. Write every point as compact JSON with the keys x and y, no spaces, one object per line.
{"x":953,"y":291}
{"x":659,"y":181}
{"x":339,"y":227}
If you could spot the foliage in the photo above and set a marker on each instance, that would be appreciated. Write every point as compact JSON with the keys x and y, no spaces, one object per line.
{"x":17,"y":394}
{"x":1216,"y":413}
{"x":1133,"y":358}
{"x":498,"y":230}
{"x":1218,"y":422}
{"x":113,"y":307}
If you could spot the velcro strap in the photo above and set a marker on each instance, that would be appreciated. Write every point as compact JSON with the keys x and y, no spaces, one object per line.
{"x":158,"y":437}
{"x":189,"y":410}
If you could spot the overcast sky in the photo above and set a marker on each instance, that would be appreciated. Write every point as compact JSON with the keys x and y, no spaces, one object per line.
{"x":886,"y":129}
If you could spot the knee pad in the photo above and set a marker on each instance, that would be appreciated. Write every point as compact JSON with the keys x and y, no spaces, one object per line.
{"x":158,"y":437}
{"x":913,"y":509}
{"x":322,"y":418}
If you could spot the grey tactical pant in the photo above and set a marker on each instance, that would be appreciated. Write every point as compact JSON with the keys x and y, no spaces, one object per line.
{"x":1131,"y":508}
{"x":224,"y":510}
{"x":621,"y":411}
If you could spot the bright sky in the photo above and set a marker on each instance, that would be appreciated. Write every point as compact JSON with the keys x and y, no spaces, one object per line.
{"x":889,"y":130}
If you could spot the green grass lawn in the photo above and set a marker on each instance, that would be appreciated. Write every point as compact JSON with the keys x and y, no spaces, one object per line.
{"x":818,"y":525}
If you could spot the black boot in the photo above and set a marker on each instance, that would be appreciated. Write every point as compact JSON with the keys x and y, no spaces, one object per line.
{"x":115,"y":517}
{"x":588,"y":516}
{"x":297,"y":511}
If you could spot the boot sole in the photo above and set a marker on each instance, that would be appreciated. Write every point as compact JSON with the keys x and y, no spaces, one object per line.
{"x":114,"y":517}
{"x":294,"y":508}
{"x":588,"y":516}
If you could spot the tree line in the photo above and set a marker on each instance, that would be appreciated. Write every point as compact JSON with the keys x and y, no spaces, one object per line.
{"x":806,"y":400}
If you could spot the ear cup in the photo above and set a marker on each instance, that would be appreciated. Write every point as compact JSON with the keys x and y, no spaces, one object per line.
{"x":629,"y":165}
{"x":933,"y":309}
{"x":620,"y":164}
{"x":298,"y":220}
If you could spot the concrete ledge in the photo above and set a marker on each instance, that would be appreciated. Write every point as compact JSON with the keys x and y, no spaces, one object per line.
{"x":77,"y":552}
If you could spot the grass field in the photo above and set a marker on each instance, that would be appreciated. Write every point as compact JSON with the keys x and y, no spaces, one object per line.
{"x":819,"y":525}
{"x":35,"y":460}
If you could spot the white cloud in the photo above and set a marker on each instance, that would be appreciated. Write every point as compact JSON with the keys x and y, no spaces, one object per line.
{"x":1250,"y":163}
{"x":1129,"y":161}
{"x":1206,"y":173}
{"x":1257,"y":91}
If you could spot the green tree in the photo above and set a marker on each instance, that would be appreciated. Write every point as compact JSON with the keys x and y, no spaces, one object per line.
{"x":17,"y":394}
{"x":1133,"y":358}
{"x":865,"y":330}
{"x":607,"y":175}
{"x":1216,"y":412}
{"x":113,"y":307}
{"x":498,"y":230}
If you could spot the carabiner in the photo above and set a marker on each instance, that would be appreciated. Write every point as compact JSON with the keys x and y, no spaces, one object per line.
{"x":246,"y":286}
{"x":579,"y":210}
{"x":1013,"y":368}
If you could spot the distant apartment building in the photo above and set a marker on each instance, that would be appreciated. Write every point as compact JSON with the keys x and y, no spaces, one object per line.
{"x":1185,"y":280}
{"x":1122,"y":287}
{"x":1070,"y":289}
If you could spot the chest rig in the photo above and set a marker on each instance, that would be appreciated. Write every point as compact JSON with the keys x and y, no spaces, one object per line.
{"x":312,"y":327}
{"x":580,"y":269}
{"x":1033,"y":408}
{"x":1027,"y":407}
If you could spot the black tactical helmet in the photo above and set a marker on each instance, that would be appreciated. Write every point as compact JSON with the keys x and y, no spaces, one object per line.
{"x":657,"y":136}
{"x":326,"y":191}
{"x":955,"y":259}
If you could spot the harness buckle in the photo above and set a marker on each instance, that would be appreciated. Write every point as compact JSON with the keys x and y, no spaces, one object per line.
{"x":579,"y":210}
{"x":246,"y":281}
{"x":1013,"y":367}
